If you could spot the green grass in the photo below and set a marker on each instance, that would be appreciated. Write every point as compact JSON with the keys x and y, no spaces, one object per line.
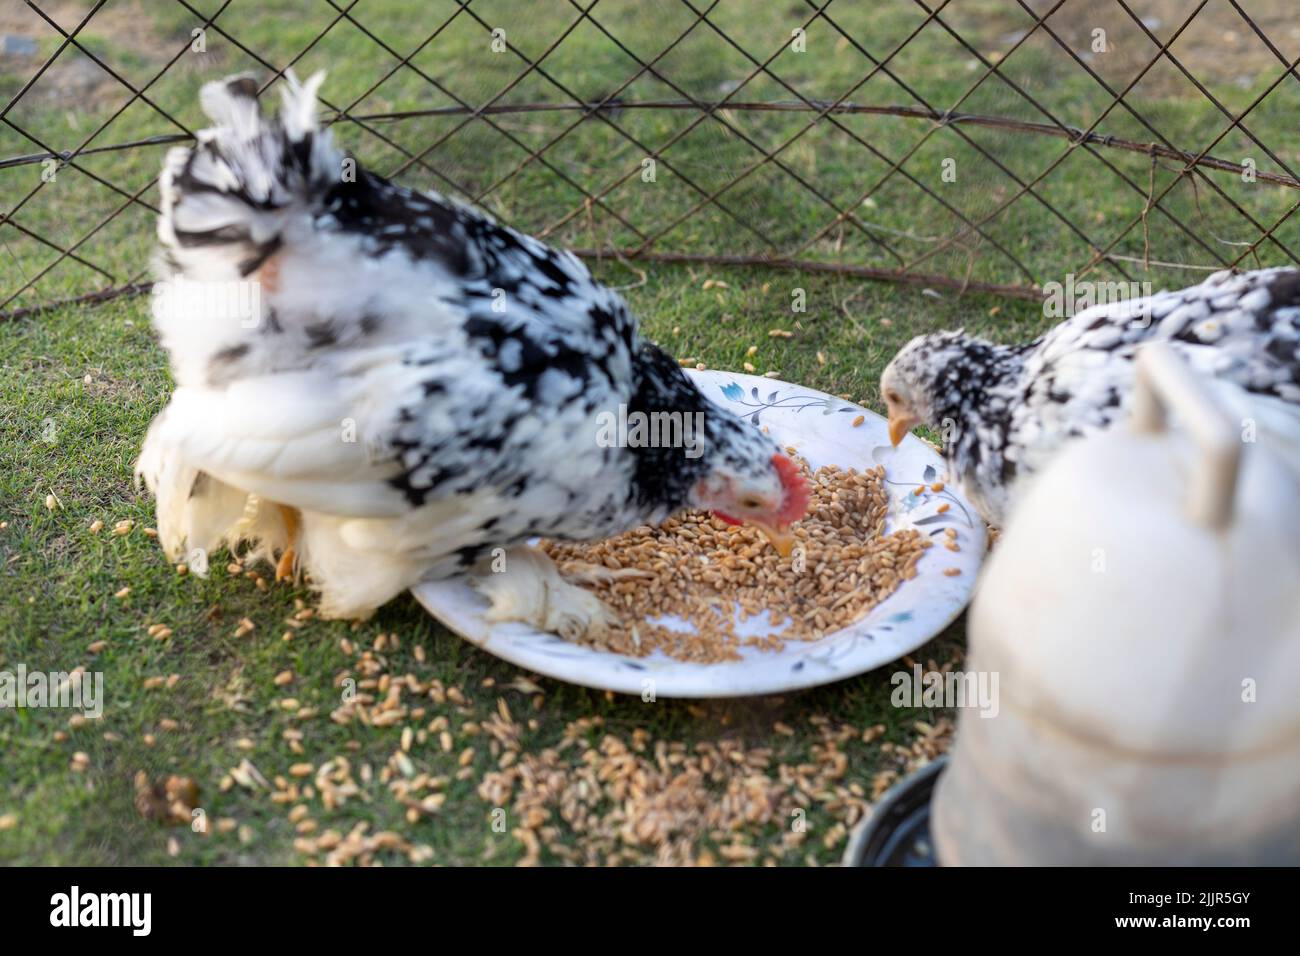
{"x":78,"y":386}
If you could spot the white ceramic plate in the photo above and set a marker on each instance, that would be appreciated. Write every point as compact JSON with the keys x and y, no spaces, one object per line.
{"x":820,"y":428}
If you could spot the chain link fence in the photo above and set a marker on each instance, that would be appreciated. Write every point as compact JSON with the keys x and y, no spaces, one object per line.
{"x":990,"y":145}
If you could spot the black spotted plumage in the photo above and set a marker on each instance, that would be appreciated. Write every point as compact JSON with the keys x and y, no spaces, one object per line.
{"x":422,"y":383}
{"x":1005,"y":410}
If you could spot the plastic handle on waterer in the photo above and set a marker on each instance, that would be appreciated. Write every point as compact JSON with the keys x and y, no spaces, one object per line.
{"x":1164,"y":383}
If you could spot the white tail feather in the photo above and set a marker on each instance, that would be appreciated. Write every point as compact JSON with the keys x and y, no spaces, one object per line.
{"x":247,"y":174}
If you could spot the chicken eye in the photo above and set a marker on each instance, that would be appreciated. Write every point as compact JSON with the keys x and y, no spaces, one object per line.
{"x":892,"y":396}
{"x":749,"y":501}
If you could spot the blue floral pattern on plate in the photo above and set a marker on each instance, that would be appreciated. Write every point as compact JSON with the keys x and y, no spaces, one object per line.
{"x":734,"y":392}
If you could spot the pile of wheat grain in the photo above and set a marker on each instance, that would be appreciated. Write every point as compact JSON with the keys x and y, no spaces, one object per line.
{"x":700,"y":569}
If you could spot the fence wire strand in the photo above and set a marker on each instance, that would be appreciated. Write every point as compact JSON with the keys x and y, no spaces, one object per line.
{"x":973,"y":232}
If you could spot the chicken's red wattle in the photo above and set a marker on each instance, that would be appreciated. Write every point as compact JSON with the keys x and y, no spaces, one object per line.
{"x":796,"y":490}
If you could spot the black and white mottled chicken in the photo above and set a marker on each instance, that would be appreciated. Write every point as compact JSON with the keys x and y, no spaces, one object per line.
{"x":378,"y":386}
{"x":1005,"y":410}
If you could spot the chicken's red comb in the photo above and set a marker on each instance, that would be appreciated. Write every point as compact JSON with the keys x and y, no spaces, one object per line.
{"x":796,"y":489}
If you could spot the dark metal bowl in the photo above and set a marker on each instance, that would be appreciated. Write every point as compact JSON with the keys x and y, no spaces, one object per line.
{"x":898,"y":831}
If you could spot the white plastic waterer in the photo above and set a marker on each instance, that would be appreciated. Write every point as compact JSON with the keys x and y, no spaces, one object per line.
{"x":1142,"y":610}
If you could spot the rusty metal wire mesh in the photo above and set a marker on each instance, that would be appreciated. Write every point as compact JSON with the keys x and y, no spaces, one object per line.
{"x":968,"y":144}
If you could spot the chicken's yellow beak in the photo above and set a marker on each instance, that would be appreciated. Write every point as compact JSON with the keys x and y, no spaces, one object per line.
{"x":780,"y":537}
{"x":899,"y":426}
